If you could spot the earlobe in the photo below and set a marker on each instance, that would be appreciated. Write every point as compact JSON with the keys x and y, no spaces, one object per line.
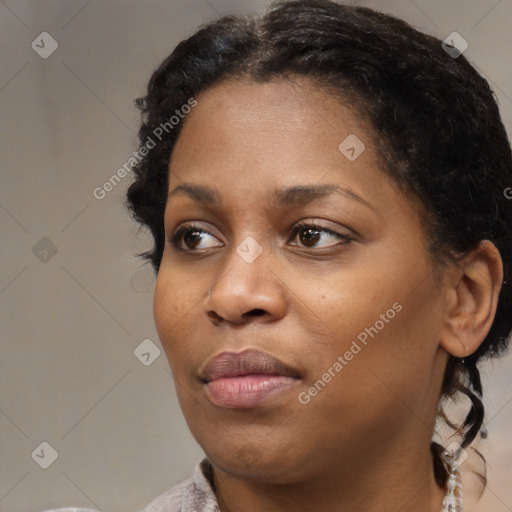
{"x":471,"y":300}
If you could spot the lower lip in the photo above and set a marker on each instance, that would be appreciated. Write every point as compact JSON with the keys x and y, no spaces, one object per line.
{"x":247,"y":390}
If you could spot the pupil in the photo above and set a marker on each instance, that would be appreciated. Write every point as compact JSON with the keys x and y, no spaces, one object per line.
{"x":309,"y":237}
{"x":192,"y":238}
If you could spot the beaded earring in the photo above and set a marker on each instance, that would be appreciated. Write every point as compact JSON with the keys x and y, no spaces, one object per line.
{"x":452,"y":502}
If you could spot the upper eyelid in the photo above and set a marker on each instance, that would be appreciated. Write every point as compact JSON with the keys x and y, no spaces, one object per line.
{"x":300,"y":224}
{"x":177,"y":233}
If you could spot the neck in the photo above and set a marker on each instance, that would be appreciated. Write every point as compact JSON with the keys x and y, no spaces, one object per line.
{"x":402,"y":479}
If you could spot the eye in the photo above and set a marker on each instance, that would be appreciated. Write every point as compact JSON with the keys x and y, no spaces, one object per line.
{"x":191,"y":235}
{"x":310,"y":233}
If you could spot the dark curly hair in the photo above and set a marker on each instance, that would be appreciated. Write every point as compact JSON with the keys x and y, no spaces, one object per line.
{"x":436,"y":124}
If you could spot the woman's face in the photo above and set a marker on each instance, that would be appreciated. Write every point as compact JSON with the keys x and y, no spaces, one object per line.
{"x":350,"y":306}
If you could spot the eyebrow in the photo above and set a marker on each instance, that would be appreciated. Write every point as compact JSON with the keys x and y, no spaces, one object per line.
{"x":297,"y":195}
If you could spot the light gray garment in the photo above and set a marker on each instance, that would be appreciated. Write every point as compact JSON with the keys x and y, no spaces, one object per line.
{"x":192,"y":495}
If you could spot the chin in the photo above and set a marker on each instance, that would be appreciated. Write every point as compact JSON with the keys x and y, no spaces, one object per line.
{"x":268,"y":460}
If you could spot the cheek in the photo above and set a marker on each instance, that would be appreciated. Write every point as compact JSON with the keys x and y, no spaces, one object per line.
{"x":343,"y":303}
{"x":165,"y":306}
{"x":174,"y":309}
{"x":383,"y":323}
{"x":393,"y":371}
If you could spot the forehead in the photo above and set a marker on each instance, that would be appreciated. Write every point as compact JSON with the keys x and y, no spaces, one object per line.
{"x":295,"y":106}
{"x":282,"y":131}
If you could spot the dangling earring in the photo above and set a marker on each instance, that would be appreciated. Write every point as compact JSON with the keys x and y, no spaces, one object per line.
{"x":467,"y":351}
{"x":452,"y":502}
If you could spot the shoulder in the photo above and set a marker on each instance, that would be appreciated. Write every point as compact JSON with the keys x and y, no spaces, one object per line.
{"x":195,"y":494}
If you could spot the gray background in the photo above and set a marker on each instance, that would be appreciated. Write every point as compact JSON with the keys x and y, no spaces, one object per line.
{"x":70,"y":321}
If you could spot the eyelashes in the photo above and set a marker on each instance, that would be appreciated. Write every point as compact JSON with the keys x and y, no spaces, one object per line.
{"x":310,"y":226}
{"x":193,"y":234}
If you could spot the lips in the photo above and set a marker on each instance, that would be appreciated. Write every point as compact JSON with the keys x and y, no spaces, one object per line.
{"x":246,"y":379}
{"x":249,"y":362}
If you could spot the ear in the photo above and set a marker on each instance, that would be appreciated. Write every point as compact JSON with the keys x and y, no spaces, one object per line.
{"x":473,"y":287}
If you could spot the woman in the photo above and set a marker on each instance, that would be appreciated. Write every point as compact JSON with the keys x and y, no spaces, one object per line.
{"x":332,"y":248}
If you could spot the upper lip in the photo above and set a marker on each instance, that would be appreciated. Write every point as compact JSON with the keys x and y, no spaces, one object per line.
{"x":248,"y":362}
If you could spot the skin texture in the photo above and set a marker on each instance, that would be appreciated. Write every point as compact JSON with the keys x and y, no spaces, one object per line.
{"x":362,"y":442}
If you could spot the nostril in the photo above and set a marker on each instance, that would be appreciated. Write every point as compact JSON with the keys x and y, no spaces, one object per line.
{"x":256,"y":312}
{"x":214,"y":316}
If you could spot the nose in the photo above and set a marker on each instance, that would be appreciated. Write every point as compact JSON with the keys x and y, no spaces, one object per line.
{"x":246,"y":292}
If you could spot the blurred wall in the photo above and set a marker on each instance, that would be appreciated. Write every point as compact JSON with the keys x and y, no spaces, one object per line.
{"x":75,"y":302}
